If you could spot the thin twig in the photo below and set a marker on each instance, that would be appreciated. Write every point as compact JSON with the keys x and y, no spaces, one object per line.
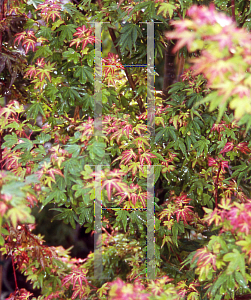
{"x":14,"y":272}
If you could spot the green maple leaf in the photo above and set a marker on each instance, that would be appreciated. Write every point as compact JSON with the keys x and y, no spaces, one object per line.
{"x":71,"y":55}
{"x":166,"y":8}
{"x":71,"y":167}
{"x":88,"y":102}
{"x":90,"y":57}
{"x":57,"y":24}
{"x":73,"y":149}
{"x":57,"y":196}
{"x":26,"y":145}
{"x":84,"y":73}
{"x":20,"y":213}
{"x":10,"y":140}
{"x":67,"y":215}
{"x":128,"y":37}
{"x":43,"y":51}
{"x":35,"y":3}
{"x":70,"y":94}
{"x":66,"y":31}
{"x":34,"y":110}
{"x":51,"y":91}
{"x":42,"y":138}
{"x":96,"y":149}
{"x":45,"y":32}
{"x":122,"y":216}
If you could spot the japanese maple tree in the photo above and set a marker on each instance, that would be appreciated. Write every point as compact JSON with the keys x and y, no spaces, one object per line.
{"x":200,"y":150}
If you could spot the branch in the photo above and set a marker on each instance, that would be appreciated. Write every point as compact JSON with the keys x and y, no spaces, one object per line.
{"x":216,"y":186}
{"x":129,"y":77}
{"x":1,"y":18}
{"x":233,"y":9}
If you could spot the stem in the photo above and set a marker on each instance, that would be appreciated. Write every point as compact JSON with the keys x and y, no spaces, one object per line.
{"x":217,"y":187}
{"x":1,"y":273}
{"x":1,"y":152}
{"x":14,"y":272}
{"x":180,"y":16}
{"x":233,"y":9}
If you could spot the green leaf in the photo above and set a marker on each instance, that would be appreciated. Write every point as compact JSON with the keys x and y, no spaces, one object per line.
{"x":73,"y":149}
{"x":236,"y":261}
{"x":175,"y":231}
{"x":20,"y":213}
{"x":34,"y":109}
{"x":71,"y":166}
{"x":72,"y":55}
{"x":42,"y":138}
{"x":1,"y":240}
{"x":85,"y":214}
{"x":96,"y":149}
{"x":10,"y":140}
{"x":70,"y":94}
{"x":35,"y":3}
{"x":182,"y":147}
{"x":67,"y":215}
{"x":90,"y":57}
{"x":66,"y":31}
{"x":43,"y":51}
{"x":221,"y":279}
{"x":240,"y":279}
{"x":84,"y":73}
{"x":56,"y":24}
{"x":157,"y":170}
{"x":128,"y":36}
{"x":88,"y":102}
{"x":26,"y":145}
{"x":122,"y":216}
{"x":45,"y":32}
{"x":51,"y":91}
{"x":166,"y":8}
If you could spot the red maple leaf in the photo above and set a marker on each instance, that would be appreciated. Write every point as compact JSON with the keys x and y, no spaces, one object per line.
{"x":114,"y":183}
{"x":184,"y":213}
{"x":228,"y":147}
{"x":20,"y":36}
{"x":224,"y":164}
{"x":76,"y":278}
{"x":205,"y":257}
{"x":116,"y":173}
{"x":182,"y":199}
{"x":52,"y":14}
{"x":40,"y":62}
{"x":127,"y":156}
{"x":128,"y":129}
{"x":112,"y":63}
{"x":51,"y":172}
{"x":31,"y":71}
{"x":84,"y":36}
{"x":240,"y":218}
{"x":87,"y":127}
{"x":243,"y":147}
{"x":111,"y":128}
{"x":146,"y":157}
{"x":29,"y":43}
{"x":211,"y":162}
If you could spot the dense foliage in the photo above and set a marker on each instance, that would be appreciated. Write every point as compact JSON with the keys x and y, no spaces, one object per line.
{"x":200,"y":151}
